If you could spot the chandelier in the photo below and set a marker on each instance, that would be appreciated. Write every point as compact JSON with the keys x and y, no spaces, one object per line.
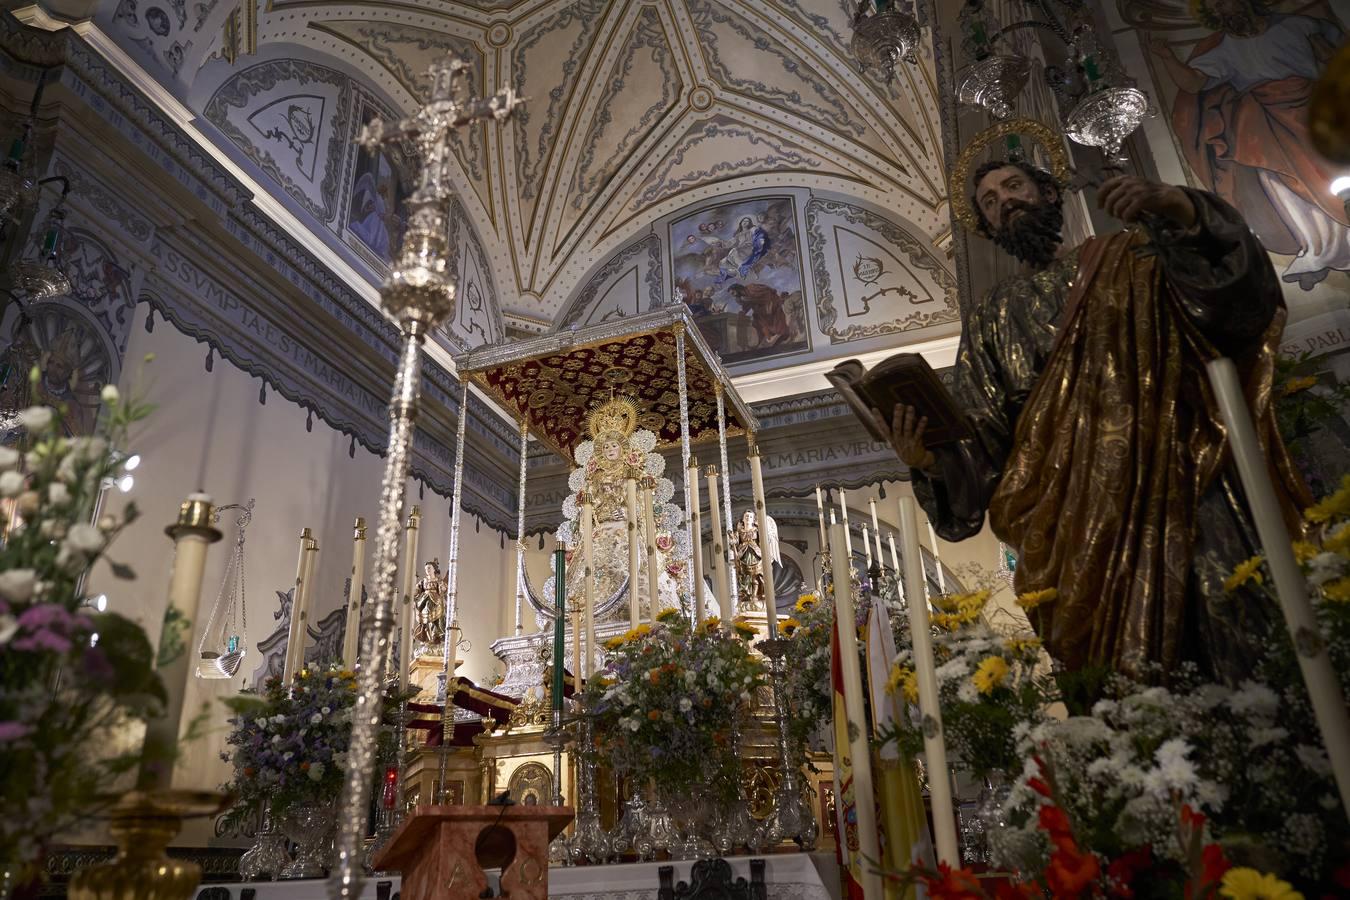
{"x":1104,"y":107}
{"x":884,"y":35}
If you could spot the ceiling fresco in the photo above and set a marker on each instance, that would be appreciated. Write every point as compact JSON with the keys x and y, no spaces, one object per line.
{"x":637,"y":109}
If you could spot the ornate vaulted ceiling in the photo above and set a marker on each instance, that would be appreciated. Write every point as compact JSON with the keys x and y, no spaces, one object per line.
{"x":637,"y":109}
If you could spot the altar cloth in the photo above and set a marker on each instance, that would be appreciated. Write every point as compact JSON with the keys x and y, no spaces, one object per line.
{"x":790,"y":876}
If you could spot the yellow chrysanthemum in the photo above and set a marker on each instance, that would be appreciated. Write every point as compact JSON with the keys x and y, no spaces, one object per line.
{"x":904,"y":680}
{"x":789,"y":625}
{"x":743,"y":628}
{"x":614,"y":643}
{"x":991,"y":673}
{"x":1294,"y":385}
{"x":1339,"y":540}
{"x":1333,"y":507}
{"x":1304,"y":551}
{"x":806,"y":603}
{"x":1337,"y":591}
{"x":1026,"y":645}
{"x":669,"y":614}
{"x":1032,"y":599}
{"x":712,"y":623}
{"x":974,"y":600}
{"x":1248,"y":884}
{"x":1247,"y":570}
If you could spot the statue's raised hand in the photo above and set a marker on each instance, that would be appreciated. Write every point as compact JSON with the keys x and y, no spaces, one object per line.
{"x":1128,"y":197}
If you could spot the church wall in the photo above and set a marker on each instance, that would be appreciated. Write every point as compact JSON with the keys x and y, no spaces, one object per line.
{"x":210,"y":431}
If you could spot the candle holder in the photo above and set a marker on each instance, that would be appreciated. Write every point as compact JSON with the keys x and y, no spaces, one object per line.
{"x":142,"y":824}
{"x":590,"y":843}
{"x":789,"y":818}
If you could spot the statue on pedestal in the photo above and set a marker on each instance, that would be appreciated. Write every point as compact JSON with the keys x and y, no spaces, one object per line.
{"x":429,"y":603}
{"x":750,"y":573}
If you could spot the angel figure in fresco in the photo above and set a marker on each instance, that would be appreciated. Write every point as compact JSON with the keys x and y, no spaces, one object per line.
{"x":429,"y":629}
{"x":751,"y":576}
{"x":1241,"y":118}
{"x":747,"y":246}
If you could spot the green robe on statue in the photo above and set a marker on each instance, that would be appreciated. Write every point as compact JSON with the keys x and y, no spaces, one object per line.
{"x":1100,"y":454}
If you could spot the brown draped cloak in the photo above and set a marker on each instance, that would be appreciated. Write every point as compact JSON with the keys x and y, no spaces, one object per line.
{"x":1100,"y":454}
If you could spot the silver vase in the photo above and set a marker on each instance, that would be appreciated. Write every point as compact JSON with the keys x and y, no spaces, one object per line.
{"x":268,"y":855}
{"x":310,"y":827}
{"x":630,"y":826}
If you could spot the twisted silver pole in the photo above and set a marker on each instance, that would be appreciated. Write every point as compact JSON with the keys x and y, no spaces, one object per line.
{"x":452,"y":592}
{"x":729,"y":522}
{"x":520,"y":523}
{"x":691,"y":590}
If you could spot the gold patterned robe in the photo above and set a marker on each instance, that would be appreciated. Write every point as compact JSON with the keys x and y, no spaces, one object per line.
{"x":1100,"y":454}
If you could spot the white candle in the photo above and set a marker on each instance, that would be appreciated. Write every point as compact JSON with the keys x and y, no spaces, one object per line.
{"x":351,"y":639}
{"x":653,"y":561}
{"x":843,"y":516}
{"x":722,"y":581}
{"x":307,"y":598}
{"x":876,"y":531}
{"x":867,"y":547}
{"x":895,"y":557}
{"x":934,"y":746}
{"x":588,"y":582}
{"x":820,"y":520}
{"x":409,"y":582}
{"x":1324,"y":687}
{"x":762,"y":518}
{"x":696,"y":523}
{"x":634,"y":554}
{"x":937,"y":560}
{"x":191,"y":534}
{"x":295,"y":636}
{"x":859,"y":748}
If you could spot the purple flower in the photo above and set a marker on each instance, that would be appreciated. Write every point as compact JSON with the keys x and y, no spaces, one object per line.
{"x":46,"y":615}
{"x":43,"y":640}
{"x":12,"y":731}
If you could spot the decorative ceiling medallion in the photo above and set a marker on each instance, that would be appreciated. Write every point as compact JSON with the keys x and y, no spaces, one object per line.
{"x":499,"y":34}
{"x":701,"y":99}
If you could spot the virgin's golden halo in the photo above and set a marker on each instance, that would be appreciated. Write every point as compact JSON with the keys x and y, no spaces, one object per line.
{"x":958,"y":190}
{"x":615,"y":417}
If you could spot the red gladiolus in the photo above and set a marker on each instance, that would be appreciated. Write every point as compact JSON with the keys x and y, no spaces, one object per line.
{"x":1071,"y":872}
{"x":1123,"y":868}
{"x":954,"y":884}
{"x":1213,"y":864}
{"x":1039,"y":786}
{"x":1054,"y":821}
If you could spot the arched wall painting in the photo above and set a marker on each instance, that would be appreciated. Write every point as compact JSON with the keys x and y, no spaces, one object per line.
{"x":739,"y":268}
{"x":375,"y":211}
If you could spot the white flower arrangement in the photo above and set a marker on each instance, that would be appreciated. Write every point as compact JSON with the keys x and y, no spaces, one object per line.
{"x":585,"y":450}
{"x":655,"y":465}
{"x":643,"y":440}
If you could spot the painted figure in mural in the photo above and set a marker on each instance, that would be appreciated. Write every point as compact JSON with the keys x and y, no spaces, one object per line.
{"x":617,"y":450}
{"x":750,"y":574}
{"x":429,"y":629}
{"x":65,"y":365}
{"x":1099,"y":453}
{"x":371,"y":205}
{"x":763,"y":306}
{"x":748,"y":246}
{"x":1241,"y":118}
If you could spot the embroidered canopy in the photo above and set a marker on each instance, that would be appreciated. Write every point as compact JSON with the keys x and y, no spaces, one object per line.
{"x":551,"y":383}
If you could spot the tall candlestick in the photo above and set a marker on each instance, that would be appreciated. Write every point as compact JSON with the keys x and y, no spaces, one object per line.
{"x":696,"y":529}
{"x":864,"y":792}
{"x":653,"y":563}
{"x":191,"y":534}
{"x":876,"y":530}
{"x":559,"y":625}
{"x":409,"y":582}
{"x":895,"y":557}
{"x":843,"y":517}
{"x":634,"y":553}
{"x":820,"y":520}
{"x":762,"y":519}
{"x":293,"y":632}
{"x":867,"y":548}
{"x":1324,"y":687}
{"x":937,"y":560}
{"x":307,"y":599}
{"x":721,"y":581}
{"x":353,"y":632}
{"x":588,"y":581}
{"x":934,"y":742}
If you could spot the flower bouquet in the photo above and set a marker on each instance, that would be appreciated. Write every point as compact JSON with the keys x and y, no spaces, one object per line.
{"x":806,"y":672}
{"x":72,"y":676}
{"x":668,"y":701}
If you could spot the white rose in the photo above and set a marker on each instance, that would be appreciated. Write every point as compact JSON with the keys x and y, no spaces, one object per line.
{"x":315,"y":719}
{"x":18,"y":584}
{"x":315,"y":772}
{"x":109,"y":394}
{"x":9,"y":458}
{"x":36,"y":419}
{"x":11,"y":484}
{"x":57,"y":493}
{"x":8,"y":625}
{"x":85,"y":538}
{"x":107,"y":523}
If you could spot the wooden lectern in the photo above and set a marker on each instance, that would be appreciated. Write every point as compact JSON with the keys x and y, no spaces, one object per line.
{"x":442,"y":850}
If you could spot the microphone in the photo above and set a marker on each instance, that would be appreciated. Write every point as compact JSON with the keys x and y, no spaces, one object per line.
{"x":502,"y":799}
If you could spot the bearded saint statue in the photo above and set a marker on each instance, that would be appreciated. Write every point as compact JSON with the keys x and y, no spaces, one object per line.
{"x":1099,"y":451}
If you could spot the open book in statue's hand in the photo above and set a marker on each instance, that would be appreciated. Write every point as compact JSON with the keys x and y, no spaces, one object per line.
{"x":905,"y":378}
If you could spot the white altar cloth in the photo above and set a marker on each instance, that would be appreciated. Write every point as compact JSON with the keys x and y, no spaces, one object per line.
{"x":790,"y":876}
